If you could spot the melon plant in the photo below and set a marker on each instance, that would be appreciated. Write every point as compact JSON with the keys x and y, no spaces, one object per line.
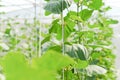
{"x":83,"y":33}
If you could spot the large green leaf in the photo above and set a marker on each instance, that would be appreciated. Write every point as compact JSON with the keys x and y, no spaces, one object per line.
{"x":86,"y":14}
{"x":77,"y":51}
{"x":57,"y":28}
{"x":56,"y":6}
{"x":95,"y":70}
{"x":52,"y":60}
{"x":16,"y":67}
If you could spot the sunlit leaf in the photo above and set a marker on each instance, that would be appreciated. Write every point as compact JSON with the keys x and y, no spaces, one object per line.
{"x":16,"y":67}
{"x":96,"y":4}
{"x":55,"y":60}
{"x":86,"y":14}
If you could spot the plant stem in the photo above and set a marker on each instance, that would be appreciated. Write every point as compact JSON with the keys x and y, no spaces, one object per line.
{"x":63,"y":45}
{"x":77,"y":20}
{"x":38,"y":46}
{"x":63,"y":40}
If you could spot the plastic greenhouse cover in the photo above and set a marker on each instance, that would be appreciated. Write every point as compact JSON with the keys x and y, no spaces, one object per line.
{"x":11,"y":6}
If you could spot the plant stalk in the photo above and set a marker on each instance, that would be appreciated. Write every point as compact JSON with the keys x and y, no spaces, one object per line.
{"x":63,"y":45}
{"x":78,"y":21}
{"x":37,"y":32}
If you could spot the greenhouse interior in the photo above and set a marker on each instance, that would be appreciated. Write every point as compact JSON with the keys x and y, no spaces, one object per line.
{"x":59,"y":40}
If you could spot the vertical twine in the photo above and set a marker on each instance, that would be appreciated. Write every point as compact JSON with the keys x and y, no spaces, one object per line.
{"x":38,"y":31}
{"x":62,"y":21}
{"x":35,"y":25}
{"x":63,"y":46}
{"x":40,"y":45}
